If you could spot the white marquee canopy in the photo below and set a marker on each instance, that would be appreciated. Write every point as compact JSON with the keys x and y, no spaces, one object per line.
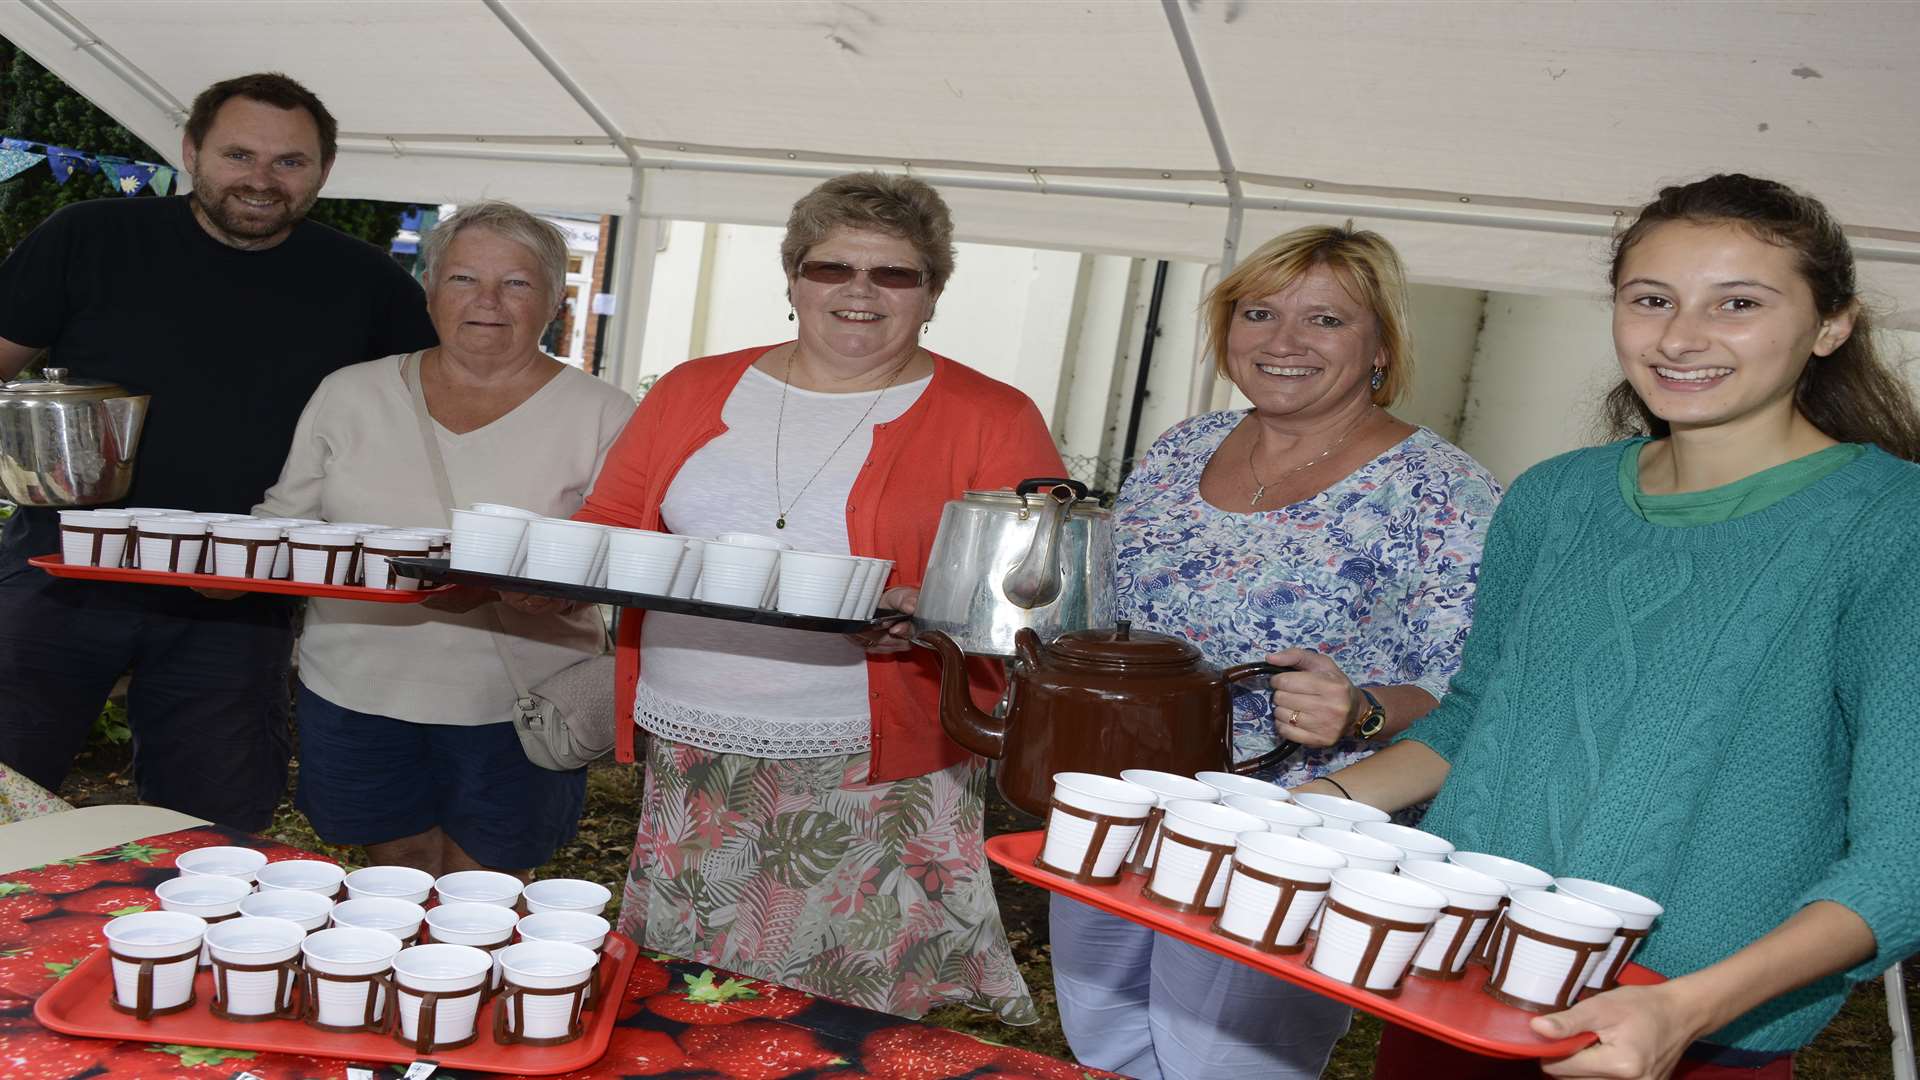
{"x":1496,"y":143}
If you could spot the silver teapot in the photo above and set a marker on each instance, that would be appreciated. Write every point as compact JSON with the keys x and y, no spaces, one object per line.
{"x":1038,"y":557}
{"x":67,"y":441}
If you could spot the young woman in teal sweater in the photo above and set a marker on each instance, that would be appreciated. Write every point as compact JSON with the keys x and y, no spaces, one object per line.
{"x":1696,"y":653}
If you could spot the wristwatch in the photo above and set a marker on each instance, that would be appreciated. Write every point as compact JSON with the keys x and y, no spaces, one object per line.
{"x":1374,"y":720}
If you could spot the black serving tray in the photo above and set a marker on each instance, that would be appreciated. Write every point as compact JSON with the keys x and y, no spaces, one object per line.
{"x":440,"y":570}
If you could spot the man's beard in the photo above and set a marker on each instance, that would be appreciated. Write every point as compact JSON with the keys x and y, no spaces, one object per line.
{"x":219,"y":206}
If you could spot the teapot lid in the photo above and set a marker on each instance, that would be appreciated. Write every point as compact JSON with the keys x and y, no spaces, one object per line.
{"x":1121,"y":645}
{"x":57,"y":381}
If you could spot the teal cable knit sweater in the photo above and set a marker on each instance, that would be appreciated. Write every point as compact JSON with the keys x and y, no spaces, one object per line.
{"x":1718,"y":716}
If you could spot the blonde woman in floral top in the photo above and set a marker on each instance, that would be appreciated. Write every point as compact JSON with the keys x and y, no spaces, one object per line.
{"x":1321,"y":532}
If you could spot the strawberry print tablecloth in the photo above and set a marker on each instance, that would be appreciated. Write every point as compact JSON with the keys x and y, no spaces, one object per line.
{"x":677,"y":1020}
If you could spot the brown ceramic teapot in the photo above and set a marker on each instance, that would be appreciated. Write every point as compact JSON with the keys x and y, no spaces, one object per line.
{"x":1098,"y":701}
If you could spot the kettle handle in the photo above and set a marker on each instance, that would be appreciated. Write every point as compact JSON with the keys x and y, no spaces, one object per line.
{"x":1279,"y":753}
{"x":1027,"y":487}
{"x":1036,"y":580}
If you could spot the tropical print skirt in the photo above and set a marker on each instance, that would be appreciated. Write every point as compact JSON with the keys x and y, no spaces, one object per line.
{"x":801,"y":872}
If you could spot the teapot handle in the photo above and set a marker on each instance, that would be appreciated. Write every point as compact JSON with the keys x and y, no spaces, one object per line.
{"x":1279,"y":753}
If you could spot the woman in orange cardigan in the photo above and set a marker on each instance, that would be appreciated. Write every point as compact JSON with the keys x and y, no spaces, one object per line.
{"x":805,"y":819}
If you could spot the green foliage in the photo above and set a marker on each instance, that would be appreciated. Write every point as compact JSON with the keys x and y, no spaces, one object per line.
{"x":35,"y":104}
{"x":110,"y":727}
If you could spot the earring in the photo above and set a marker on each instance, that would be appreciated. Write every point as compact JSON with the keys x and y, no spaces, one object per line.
{"x":790,"y":315}
{"x":1379,"y":378}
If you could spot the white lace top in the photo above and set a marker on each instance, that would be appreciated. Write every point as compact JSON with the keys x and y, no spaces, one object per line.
{"x":762,"y":690}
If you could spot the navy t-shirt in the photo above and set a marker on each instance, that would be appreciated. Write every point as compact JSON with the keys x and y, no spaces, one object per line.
{"x":229,"y":343}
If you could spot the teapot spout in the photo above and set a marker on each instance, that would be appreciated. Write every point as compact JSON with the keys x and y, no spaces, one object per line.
{"x":964,"y":721}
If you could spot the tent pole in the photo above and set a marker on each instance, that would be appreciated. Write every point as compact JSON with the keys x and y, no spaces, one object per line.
{"x":1202,"y":97}
{"x":123,"y":69}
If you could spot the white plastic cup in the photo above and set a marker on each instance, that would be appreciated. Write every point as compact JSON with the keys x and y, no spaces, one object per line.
{"x":1636,"y":914}
{"x":1281,"y":816}
{"x":1415,"y":844}
{"x":640,"y":561}
{"x":173,"y":543}
{"x":1339,"y":813}
{"x":870,"y":592}
{"x":484,"y":926}
{"x":222,"y":861}
{"x":254,"y":940}
{"x":308,"y":910}
{"x":391,"y":882}
{"x":685,"y":578}
{"x":754,"y":540}
{"x":282,"y":554}
{"x":1540,"y":975}
{"x":1166,"y":787}
{"x":572,"y":927}
{"x":1363,"y":852}
{"x":1252,"y":913}
{"x":544,"y":965}
{"x":477,"y":887}
{"x":456,"y":972}
{"x":850,"y":605}
{"x":154,"y":935}
{"x":1186,"y":874}
{"x":1227,"y":783}
{"x":1344,"y":940}
{"x":1513,"y":874}
{"x":245,"y":549}
{"x":736,"y":574}
{"x":397,"y":917}
{"x":1120,"y":806}
{"x":562,"y":551}
{"x":301,"y":875}
{"x":814,"y":583}
{"x":503,"y":510}
{"x":379,"y":549}
{"x":486,"y":543}
{"x":1473,"y":901}
{"x":94,"y":537}
{"x":565,"y":894}
{"x":346,"y":950}
{"x":323,"y":554}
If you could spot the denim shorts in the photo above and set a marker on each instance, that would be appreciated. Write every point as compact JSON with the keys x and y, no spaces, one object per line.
{"x":368,"y":779}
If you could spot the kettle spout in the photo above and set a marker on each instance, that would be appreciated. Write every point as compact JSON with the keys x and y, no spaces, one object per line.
{"x":964,"y":721}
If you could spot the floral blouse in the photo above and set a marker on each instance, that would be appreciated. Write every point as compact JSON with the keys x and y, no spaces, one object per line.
{"x":1377,"y":572}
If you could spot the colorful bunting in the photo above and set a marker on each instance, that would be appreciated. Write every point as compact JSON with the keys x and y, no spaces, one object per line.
{"x":127,"y":176}
{"x":14,"y":162}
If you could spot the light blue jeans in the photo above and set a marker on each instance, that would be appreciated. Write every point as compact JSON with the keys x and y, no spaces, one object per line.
{"x":1155,"y":1008}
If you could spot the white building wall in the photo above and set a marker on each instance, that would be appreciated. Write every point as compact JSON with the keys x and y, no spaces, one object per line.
{"x":1542,"y":366}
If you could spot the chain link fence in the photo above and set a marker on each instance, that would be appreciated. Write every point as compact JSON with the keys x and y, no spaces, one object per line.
{"x":1101,"y":475}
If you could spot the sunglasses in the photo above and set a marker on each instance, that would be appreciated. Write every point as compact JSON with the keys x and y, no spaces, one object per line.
{"x":887,"y":277}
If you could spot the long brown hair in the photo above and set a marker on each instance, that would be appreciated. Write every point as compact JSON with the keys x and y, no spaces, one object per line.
{"x":1851,"y":394}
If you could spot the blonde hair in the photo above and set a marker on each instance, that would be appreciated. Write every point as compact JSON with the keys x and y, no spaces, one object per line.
{"x":1364,"y":264}
{"x":899,"y":206}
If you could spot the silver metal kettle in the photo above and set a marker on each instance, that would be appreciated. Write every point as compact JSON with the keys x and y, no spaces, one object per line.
{"x":67,"y":441}
{"x":1038,"y":557}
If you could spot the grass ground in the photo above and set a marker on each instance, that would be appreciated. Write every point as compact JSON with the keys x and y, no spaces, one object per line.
{"x":1854,"y":1047}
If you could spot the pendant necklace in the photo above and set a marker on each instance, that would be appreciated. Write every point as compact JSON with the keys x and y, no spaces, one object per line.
{"x":1260,"y":489}
{"x":780,"y":522}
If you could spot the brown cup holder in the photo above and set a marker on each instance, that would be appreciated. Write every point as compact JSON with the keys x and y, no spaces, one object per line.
{"x":373,"y":1018}
{"x":1218,"y":859}
{"x":1289,"y":888}
{"x":424,"y":1024}
{"x":1569,"y":987}
{"x":1143,"y":844}
{"x":254,"y":548}
{"x":334,"y":552}
{"x":100,"y":535}
{"x":173,"y":551}
{"x":393,"y":575}
{"x":1377,"y":930}
{"x":509,"y":1023}
{"x":1484,"y":948}
{"x":286,"y":988}
{"x":143,"y":1009}
{"x":1103,"y":824}
{"x":1462,"y":930}
{"x":1629,"y":941}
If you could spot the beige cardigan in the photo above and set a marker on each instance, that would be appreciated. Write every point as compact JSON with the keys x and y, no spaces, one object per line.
{"x":357,"y":456}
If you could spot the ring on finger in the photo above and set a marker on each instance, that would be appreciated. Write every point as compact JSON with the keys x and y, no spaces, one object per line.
{"x":1295,"y":718}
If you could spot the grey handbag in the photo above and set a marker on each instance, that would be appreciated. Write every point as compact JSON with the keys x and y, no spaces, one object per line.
{"x":567,"y":720}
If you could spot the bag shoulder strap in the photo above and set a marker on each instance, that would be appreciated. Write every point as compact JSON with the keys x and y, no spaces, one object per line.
{"x":411,"y":374}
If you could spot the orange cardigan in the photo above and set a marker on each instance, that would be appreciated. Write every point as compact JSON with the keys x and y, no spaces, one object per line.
{"x":966,"y":431}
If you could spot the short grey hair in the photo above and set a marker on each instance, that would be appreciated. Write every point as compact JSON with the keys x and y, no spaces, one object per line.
{"x":543,"y":238}
{"x":874,"y":202}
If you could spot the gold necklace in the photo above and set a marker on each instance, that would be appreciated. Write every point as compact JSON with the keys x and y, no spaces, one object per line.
{"x":1260,"y":489}
{"x":780,"y":522}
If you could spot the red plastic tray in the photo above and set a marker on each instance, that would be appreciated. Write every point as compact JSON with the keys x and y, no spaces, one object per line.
{"x":55,"y":565}
{"x":78,"y":1005}
{"x":1457,"y":1012}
